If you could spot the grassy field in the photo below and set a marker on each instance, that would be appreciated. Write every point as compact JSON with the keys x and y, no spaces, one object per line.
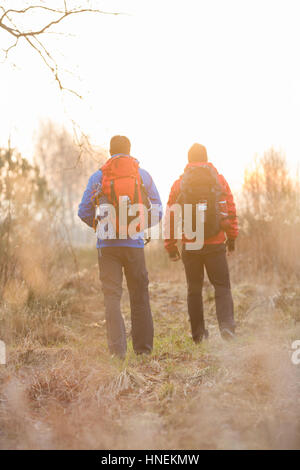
{"x":61,"y":389}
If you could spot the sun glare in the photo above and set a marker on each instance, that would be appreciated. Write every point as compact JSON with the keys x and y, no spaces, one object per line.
{"x":168,"y":74}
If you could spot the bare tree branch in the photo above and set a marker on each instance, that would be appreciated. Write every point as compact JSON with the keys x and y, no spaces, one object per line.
{"x":65,"y":12}
{"x":8,"y":24}
{"x":64,"y":15}
{"x":8,"y":29}
{"x":53,"y":68}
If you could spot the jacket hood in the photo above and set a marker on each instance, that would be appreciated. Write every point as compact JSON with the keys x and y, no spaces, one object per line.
{"x":122,"y":155}
{"x":205,"y":164}
{"x":116,"y":155}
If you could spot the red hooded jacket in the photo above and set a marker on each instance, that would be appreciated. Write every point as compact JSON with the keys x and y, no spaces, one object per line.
{"x":229,"y":227}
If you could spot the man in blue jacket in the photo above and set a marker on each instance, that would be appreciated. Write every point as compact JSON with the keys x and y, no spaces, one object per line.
{"x":114,"y":255}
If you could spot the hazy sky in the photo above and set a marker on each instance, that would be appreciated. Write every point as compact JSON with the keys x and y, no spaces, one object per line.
{"x":223,"y":73}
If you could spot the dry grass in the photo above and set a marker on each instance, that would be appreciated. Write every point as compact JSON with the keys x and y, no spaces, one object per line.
{"x":60,"y":388}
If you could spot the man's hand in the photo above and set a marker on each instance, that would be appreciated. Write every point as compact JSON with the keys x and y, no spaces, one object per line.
{"x":174,"y":255}
{"x":230,"y":244}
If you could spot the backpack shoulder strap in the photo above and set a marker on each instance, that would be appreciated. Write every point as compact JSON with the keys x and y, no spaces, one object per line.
{"x":145,"y":195}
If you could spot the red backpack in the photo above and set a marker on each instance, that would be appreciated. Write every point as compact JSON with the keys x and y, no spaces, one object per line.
{"x":200,"y":184}
{"x":121,"y":178}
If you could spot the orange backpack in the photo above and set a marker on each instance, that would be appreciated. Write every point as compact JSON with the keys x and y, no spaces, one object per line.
{"x":121,"y":179}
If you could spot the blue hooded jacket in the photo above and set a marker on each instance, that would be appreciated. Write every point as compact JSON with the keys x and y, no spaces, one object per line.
{"x":86,"y":210}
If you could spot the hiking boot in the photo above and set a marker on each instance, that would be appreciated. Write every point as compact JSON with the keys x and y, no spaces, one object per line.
{"x":143,"y":353}
{"x":199,"y":340}
{"x":121,"y":357}
{"x":228,"y":334}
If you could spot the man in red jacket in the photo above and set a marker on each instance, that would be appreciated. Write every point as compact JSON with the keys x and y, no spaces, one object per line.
{"x":221,"y":234}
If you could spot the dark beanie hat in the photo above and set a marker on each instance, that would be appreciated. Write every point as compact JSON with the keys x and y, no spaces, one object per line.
{"x":119,"y":144}
{"x":197,"y":153}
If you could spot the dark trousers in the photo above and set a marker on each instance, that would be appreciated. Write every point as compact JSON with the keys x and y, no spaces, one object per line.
{"x":213,"y":258}
{"x":112,"y":261}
